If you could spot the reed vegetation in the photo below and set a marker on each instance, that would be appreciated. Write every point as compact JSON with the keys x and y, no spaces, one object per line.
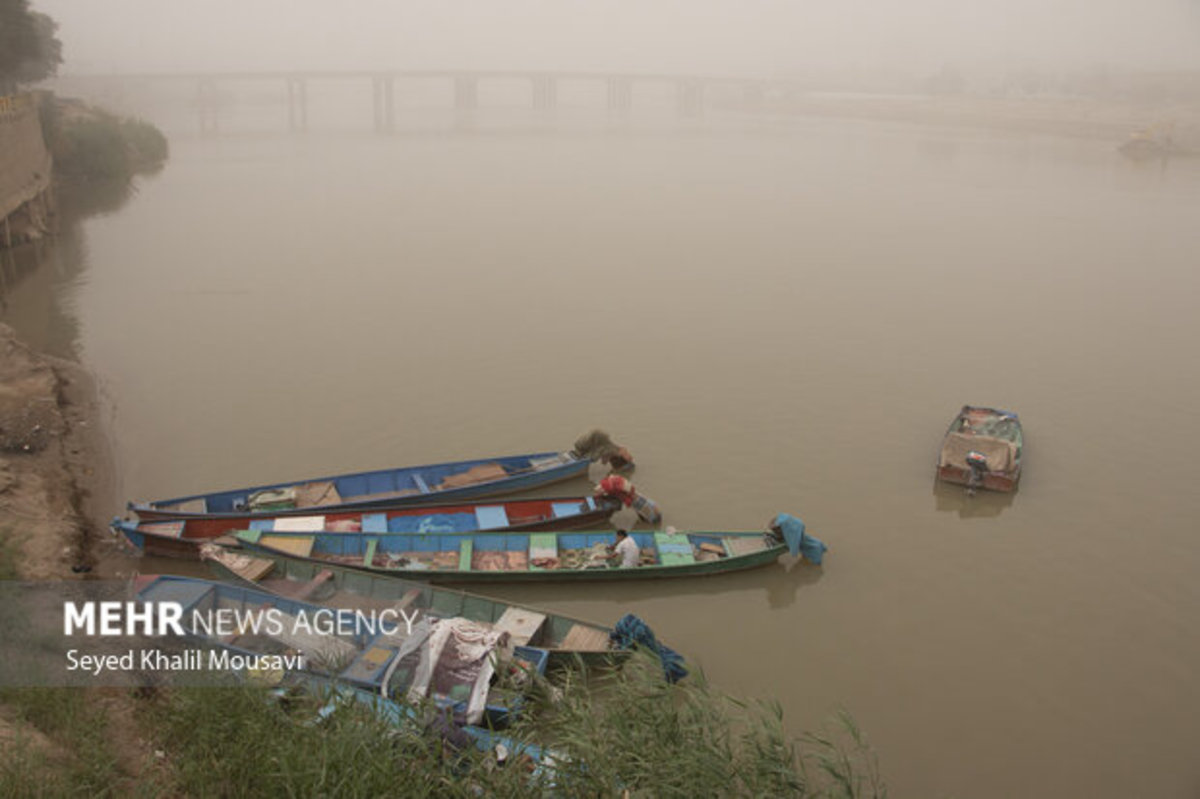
{"x":627,"y":734}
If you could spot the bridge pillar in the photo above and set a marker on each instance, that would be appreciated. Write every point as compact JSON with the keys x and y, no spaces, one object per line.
{"x":297,"y":90}
{"x":206,"y":106}
{"x":689,"y":96}
{"x":383,"y":101}
{"x":545,"y":93}
{"x":620,"y":94}
{"x":466,"y":92}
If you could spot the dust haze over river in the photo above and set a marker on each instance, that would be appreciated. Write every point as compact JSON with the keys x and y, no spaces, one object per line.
{"x":774,"y":313}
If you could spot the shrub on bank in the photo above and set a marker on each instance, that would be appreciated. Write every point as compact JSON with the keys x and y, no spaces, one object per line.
{"x":92,"y":144}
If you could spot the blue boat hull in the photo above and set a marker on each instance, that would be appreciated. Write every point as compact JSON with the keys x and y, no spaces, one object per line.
{"x":418,"y":485}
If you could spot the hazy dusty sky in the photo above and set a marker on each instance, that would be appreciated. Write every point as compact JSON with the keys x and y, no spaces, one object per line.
{"x":728,"y":36}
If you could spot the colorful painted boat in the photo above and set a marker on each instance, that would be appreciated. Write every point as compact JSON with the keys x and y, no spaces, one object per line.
{"x":982,"y":449}
{"x":414,"y":485}
{"x":520,"y":557}
{"x":265,"y":636}
{"x":183,"y":537}
{"x":564,"y":638}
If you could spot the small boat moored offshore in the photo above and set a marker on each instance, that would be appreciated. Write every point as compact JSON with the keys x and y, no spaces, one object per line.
{"x":562,"y":637}
{"x":182,"y":537}
{"x":525,"y":557}
{"x":414,"y":485}
{"x":982,"y":449}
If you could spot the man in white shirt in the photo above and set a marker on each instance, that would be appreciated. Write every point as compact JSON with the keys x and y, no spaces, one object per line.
{"x":627,"y":550}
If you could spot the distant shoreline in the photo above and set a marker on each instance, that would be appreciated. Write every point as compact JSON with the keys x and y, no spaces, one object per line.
{"x":1110,"y":120}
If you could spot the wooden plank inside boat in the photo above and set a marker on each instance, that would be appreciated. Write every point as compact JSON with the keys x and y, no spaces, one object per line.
{"x":168,"y":529}
{"x":543,"y":551}
{"x":411,"y":596}
{"x":198,"y":505}
{"x":585,"y":638}
{"x":483,"y":473}
{"x":301,"y":547}
{"x":521,"y":624}
{"x":250,"y":568}
{"x":674,"y":549}
{"x":312,"y":495}
{"x":744,"y":545}
{"x":298,"y":524}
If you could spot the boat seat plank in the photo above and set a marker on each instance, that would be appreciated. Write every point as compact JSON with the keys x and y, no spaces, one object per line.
{"x":542,"y":464}
{"x":374,"y":523}
{"x":369,"y":665}
{"x":252,"y":569}
{"x":406,"y":601}
{"x":542,"y":545}
{"x":744,"y":545}
{"x":198,"y":505}
{"x":674,"y":549}
{"x":521,"y":624}
{"x":491,"y":517}
{"x":311,"y":495}
{"x":369,"y":554}
{"x":585,"y":638}
{"x":310,"y":588}
{"x":299,"y":524}
{"x":562,"y":509}
{"x":166,"y":529}
{"x":420,"y":481}
{"x":300,"y":546}
{"x":266,"y":525}
{"x":464,"y":555}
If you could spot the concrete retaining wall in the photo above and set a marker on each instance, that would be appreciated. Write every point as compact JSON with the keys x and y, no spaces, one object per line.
{"x":25,"y":171}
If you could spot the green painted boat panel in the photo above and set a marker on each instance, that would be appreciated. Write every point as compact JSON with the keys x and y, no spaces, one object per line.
{"x":369,"y":555}
{"x":674,"y":549}
{"x":542,"y":545}
{"x":478,"y":608}
{"x":446,"y":604}
{"x":464,"y":555}
{"x":249,"y":536}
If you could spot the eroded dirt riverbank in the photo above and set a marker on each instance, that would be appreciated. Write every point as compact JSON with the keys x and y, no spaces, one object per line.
{"x":55,"y":465}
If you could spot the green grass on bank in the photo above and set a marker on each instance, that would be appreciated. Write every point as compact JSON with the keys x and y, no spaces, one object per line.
{"x":627,"y":732}
{"x":71,"y":753}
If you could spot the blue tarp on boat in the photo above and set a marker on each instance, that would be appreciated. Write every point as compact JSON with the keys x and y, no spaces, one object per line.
{"x":798,"y":541}
{"x":632,"y":631}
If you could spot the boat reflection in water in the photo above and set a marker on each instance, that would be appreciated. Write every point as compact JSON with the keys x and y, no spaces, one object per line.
{"x":949,"y":497}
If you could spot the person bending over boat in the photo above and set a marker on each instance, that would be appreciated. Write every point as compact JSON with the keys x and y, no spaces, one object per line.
{"x":627,"y":550}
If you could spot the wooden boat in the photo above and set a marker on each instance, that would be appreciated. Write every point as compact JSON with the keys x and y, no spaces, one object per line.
{"x":414,"y":485}
{"x":564,"y":638}
{"x":183,"y":537}
{"x":271,"y":637}
{"x":982,"y":449}
{"x":518,"y":557}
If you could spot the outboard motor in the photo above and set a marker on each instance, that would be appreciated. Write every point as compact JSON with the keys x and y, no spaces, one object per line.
{"x":978,"y":464}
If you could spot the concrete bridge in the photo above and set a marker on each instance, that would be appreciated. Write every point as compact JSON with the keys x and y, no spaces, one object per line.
{"x":692,"y":93}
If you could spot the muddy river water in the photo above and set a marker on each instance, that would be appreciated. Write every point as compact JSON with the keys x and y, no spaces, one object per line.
{"x":774,"y":314}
